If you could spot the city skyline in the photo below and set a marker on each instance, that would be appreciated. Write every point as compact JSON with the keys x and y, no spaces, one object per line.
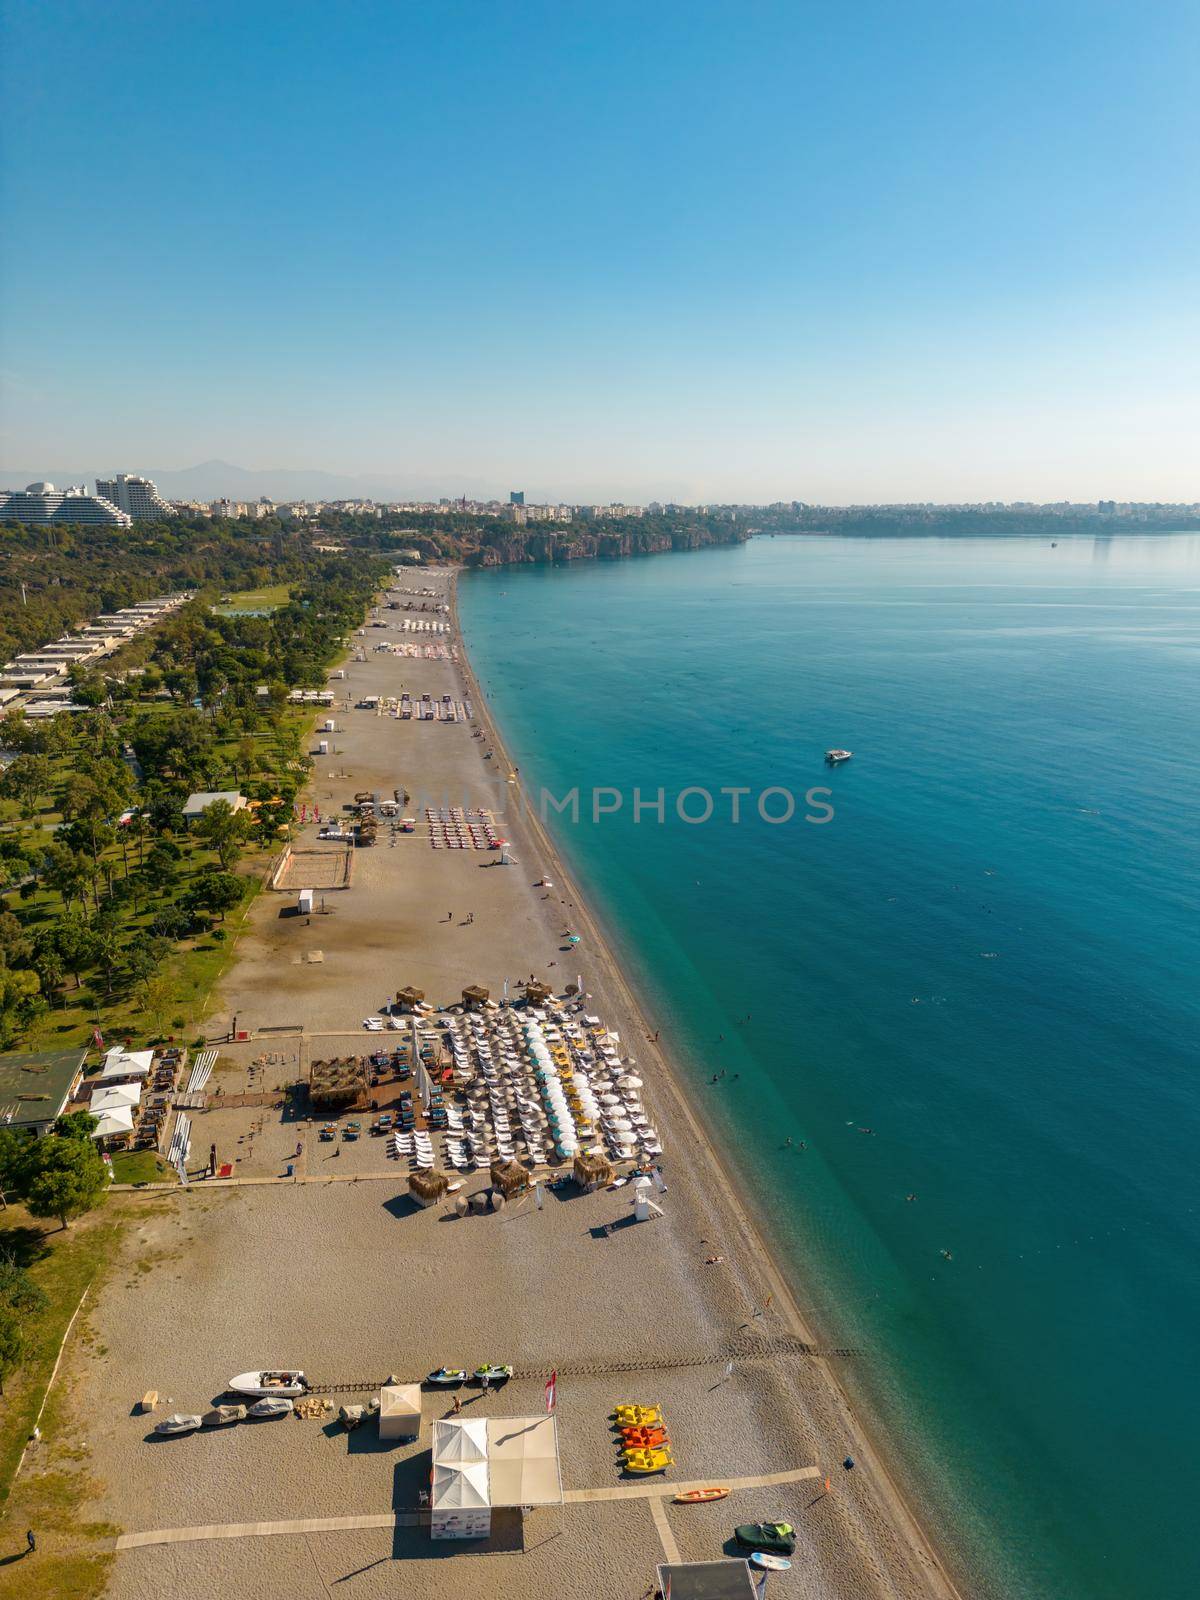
{"x":703,"y":255}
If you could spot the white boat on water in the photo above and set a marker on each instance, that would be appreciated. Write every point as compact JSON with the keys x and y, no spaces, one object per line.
{"x":836,"y":757}
{"x":286,"y":1382}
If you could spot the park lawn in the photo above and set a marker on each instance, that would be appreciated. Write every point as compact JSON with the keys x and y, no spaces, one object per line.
{"x":190,"y":977}
{"x":268,"y":598}
{"x":142,"y":1166}
{"x":72,"y":1555}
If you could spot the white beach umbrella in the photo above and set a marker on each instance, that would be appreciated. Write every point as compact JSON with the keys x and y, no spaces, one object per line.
{"x":629,"y":1081}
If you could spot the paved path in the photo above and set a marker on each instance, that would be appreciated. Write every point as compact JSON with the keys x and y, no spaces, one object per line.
{"x":663,"y":1528}
{"x":655,"y":1490}
{"x":659,"y":1488}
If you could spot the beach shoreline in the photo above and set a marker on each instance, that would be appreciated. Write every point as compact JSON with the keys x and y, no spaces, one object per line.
{"x":690,"y":1313}
{"x":604,"y":955}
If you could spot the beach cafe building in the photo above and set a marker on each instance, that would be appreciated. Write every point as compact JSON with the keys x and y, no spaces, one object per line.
{"x":35,"y":1089}
{"x":481,"y":1464}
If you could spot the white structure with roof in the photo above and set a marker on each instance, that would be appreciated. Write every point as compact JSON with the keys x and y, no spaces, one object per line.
{"x":198,"y":804}
{"x":136,"y":495}
{"x":480,"y":1464}
{"x":42,"y":503}
{"x":120,"y":1063}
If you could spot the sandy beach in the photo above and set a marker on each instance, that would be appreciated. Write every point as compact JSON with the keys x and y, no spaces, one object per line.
{"x":335,"y":1271}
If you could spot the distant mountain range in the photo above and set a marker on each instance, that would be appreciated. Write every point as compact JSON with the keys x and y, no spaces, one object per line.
{"x":211,"y":480}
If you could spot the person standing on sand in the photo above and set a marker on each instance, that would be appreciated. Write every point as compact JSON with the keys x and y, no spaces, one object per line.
{"x":30,"y":1541}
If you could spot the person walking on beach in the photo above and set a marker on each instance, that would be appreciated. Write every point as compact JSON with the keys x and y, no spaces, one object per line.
{"x":30,"y":1541}
{"x":456,"y":1407}
{"x":484,"y":1383}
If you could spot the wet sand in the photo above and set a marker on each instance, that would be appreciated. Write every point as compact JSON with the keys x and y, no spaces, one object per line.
{"x":347,"y":1280}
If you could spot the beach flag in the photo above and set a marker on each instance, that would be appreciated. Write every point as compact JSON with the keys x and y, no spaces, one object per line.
{"x":551,"y":1391}
{"x":97,"y":1038}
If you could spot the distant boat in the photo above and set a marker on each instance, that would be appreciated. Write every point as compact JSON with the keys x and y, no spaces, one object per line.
{"x":836,"y":757}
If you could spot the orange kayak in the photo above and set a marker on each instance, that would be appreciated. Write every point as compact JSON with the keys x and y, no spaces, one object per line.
{"x":697,"y":1497}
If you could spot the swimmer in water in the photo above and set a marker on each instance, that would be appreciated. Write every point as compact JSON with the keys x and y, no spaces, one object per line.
{"x":946,"y":1254}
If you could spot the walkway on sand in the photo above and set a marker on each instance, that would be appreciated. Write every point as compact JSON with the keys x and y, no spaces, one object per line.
{"x":656,"y":1492}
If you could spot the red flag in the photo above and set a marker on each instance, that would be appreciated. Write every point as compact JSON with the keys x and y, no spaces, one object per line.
{"x":97,"y":1038}
{"x":551,"y":1391}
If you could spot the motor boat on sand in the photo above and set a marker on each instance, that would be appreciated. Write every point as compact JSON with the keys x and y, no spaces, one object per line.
{"x":281,"y":1381}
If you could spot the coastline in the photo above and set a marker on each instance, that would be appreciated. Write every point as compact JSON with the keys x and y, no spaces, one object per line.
{"x":609,"y":975}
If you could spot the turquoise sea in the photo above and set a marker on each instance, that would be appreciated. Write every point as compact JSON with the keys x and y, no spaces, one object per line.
{"x":988,"y":959}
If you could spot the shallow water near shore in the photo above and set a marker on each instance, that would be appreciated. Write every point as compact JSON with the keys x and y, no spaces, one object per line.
{"x":975,"y":985}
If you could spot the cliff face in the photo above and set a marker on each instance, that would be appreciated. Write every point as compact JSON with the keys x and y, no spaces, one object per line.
{"x":600,"y":541}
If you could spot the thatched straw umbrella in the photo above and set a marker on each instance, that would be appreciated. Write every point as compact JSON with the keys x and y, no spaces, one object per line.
{"x":592,"y":1169}
{"x":537,"y":992}
{"x":509,"y":1177}
{"x":475,"y":997}
{"x":338,"y":1084}
{"x":427,"y":1188}
{"x":409,"y":998}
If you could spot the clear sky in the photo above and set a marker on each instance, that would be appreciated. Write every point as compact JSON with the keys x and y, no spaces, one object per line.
{"x":836,"y":250}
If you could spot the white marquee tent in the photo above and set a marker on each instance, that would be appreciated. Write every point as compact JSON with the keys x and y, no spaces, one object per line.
{"x":479,"y":1464}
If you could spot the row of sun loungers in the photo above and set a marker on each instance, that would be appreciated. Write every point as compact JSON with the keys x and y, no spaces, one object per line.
{"x":452,"y":828}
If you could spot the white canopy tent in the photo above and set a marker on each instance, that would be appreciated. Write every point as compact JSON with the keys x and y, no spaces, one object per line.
{"x":461,"y":1488}
{"x":479,"y":1464}
{"x":118,"y":1120}
{"x":120,"y":1063}
{"x":108,"y":1096}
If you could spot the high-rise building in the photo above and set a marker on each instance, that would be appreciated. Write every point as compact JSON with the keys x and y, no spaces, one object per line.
{"x":136,"y":495}
{"x":516,"y":497}
{"x":42,"y":504}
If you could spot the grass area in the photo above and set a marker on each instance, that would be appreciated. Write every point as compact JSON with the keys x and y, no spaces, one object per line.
{"x":142,"y":1166}
{"x":182,"y":992}
{"x":71,"y":1559}
{"x":269,"y":598}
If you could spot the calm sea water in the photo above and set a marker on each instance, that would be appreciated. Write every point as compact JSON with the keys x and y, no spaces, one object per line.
{"x":989,"y":959}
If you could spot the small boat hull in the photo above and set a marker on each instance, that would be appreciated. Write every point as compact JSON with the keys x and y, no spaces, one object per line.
{"x":700,"y":1497}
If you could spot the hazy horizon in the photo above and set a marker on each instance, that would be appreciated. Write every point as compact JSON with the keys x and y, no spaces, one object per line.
{"x":211,"y":480}
{"x":701,"y":253}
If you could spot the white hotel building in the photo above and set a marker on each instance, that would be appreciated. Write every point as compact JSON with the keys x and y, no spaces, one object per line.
{"x":43,"y":505}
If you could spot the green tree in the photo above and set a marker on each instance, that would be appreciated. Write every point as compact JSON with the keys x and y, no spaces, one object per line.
{"x":19,"y":993}
{"x":66,"y":872}
{"x":14,"y":1340}
{"x":62,"y":1178}
{"x":76,"y":941}
{"x":217,"y":892}
{"x":76,"y":1125}
{"x":26,"y":780}
{"x":224,"y":830}
{"x":14,"y":1148}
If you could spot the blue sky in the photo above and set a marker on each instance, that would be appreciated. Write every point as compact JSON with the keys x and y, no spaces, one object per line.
{"x":837,"y":252}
